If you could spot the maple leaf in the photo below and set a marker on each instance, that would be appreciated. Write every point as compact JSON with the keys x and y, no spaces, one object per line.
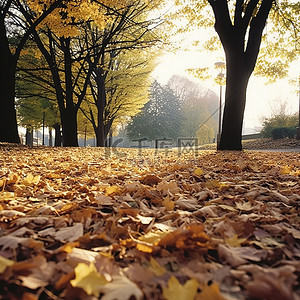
{"x":88,"y":278}
{"x":176,"y":291}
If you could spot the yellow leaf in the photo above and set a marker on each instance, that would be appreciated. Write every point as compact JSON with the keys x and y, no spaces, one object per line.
{"x":144,"y":248}
{"x":198,"y":172}
{"x":88,"y":278}
{"x":153,"y":237}
{"x":210,"y":292}
{"x":30,"y":179}
{"x":176,"y":291}
{"x":156,"y":268}
{"x":4,"y":262}
{"x":235,"y":241}
{"x":285,"y":170}
{"x":168,"y":204}
{"x":2,"y":182}
{"x":112,"y":190}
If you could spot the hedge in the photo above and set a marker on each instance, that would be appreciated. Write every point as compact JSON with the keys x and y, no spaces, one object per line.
{"x":283,"y":132}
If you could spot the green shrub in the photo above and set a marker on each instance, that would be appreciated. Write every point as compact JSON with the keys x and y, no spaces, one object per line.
{"x":279,"y":121}
{"x":283,"y":132}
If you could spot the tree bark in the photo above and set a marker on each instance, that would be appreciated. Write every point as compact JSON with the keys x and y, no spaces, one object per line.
{"x":100,"y":103}
{"x":50,"y":137}
{"x":69,"y":127}
{"x":58,"y":138}
{"x":8,"y":116}
{"x":29,"y":137}
{"x":235,"y":101}
{"x":241,"y":42}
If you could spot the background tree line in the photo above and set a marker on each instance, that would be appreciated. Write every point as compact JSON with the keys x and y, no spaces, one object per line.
{"x":181,"y":108}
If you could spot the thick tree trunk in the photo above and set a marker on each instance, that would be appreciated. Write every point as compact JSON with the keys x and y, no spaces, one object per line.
{"x":8,"y":117}
{"x":100,"y":137}
{"x":241,"y":39}
{"x":69,"y":128}
{"x":235,"y":100}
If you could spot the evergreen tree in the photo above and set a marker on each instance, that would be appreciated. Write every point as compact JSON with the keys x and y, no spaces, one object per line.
{"x":160,"y":117}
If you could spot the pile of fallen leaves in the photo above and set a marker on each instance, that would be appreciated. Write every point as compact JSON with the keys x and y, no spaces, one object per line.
{"x":262,"y":144}
{"x":124,"y":224}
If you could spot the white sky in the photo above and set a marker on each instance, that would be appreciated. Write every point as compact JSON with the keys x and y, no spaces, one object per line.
{"x":261,"y":97}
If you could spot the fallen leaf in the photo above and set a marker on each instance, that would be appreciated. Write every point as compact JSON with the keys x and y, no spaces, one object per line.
{"x":156,"y":268}
{"x":175,"y":290}
{"x":235,"y":241}
{"x":88,"y":278}
{"x":168,"y":187}
{"x":209,"y":292}
{"x":69,"y":234}
{"x":168,"y":204}
{"x":198,"y":172}
{"x":4,"y":263}
{"x":121,"y":288}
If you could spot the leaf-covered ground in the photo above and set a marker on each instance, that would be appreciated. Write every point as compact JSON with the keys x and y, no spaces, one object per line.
{"x":90,"y":224}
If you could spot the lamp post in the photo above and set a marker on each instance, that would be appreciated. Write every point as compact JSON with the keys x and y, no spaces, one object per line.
{"x":220,"y":66}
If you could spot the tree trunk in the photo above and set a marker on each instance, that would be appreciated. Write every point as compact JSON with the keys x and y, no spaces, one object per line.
{"x":69,"y":128}
{"x":58,"y":138}
{"x":241,"y":39}
{"x":100,"y":103}
{"x":50,"y":137}
{"x":235,"y":100}
{"x":100,"y":138}
{"x":29,"y":137}
{"x":8,"y":116}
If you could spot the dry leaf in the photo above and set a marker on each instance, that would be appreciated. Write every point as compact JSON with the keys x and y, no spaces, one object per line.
{"x":69,"y":234}
{"x":4,"y":263}
{"x":121,"y":288}
{"x":88,"y":278}
{"x":176,"y":291}
{"x":209,"y":292}
{"x":235,"y":241}
{"x":157,"y":269}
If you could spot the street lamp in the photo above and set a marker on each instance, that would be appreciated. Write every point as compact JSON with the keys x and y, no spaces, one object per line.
{"x":220,"y":66}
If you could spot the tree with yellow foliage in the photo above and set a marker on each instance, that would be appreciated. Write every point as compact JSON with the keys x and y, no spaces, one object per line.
{"x":14,"y":32}
{"x":126,"y":89}
{"x":78,"y":47}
